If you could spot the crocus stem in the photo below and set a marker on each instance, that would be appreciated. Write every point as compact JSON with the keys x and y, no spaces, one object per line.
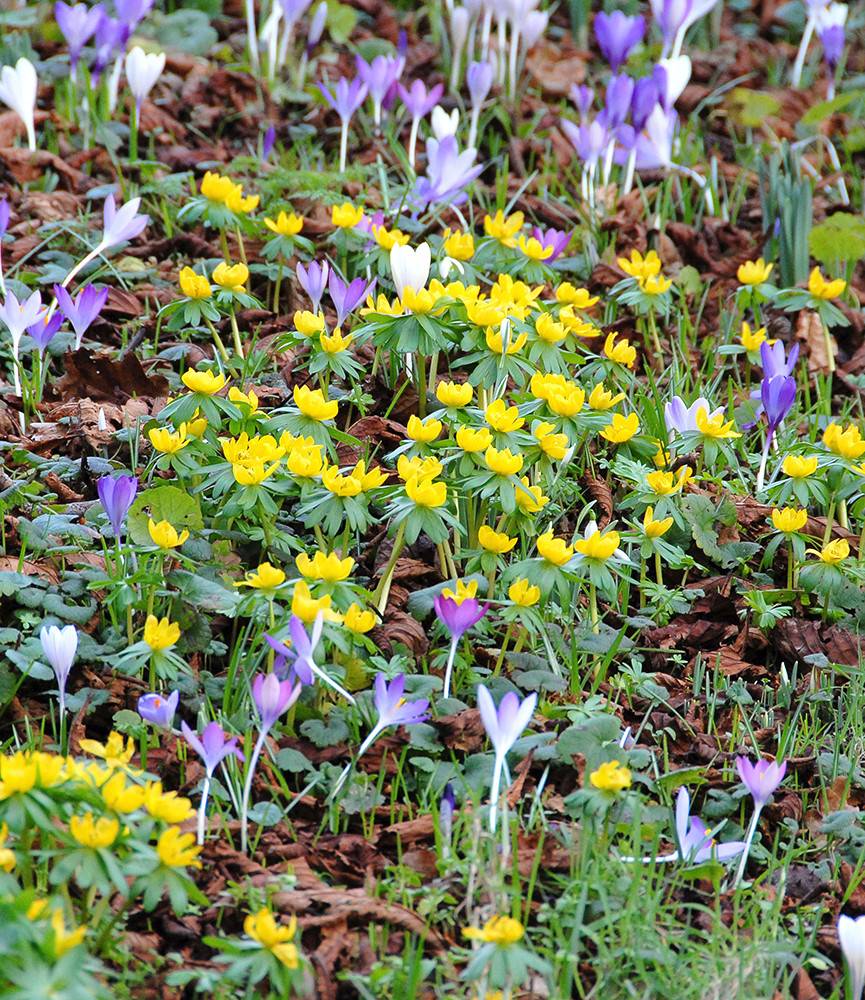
{"x":202,"y":809}
{"x":247,"y":788}
{"x":512,"y":59}
{"x":133,"y":132}
{"x":761,"y":472}
{"x":383,"y":589}
{"x":252,"y":36}
{"x":799,"y":64}
{"x":412,"y":140}
{"x":752,"y":829}
{"x":452,"y":652}
{"x":473,"y":125}
{"x":343,"y":146}
{"x":494,"y":790}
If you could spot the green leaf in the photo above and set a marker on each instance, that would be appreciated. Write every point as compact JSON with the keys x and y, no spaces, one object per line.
{"x":325,"y":732}
{"x":596,"y":739}
{"x":824,"y":109}
{"x":163,"y":503}
{"x":187,"y":31}
{"x":203,"y":593}
{"x":750,"y":108}
{"x":341,"y":21}
{"x":840,"y":238}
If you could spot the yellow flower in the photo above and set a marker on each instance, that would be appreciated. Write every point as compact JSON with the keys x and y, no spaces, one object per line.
{"x":112,"y":751}
{"x":454,"y":394}
{"x":501,"y":931}
{"x":464,"y":591}
{"x":308,"y":323}
{"x":197,"y":426}
{"x":554,"y":550}
{"x":611,"y":776}
{"x":7,"y":855}
{"x":530,"y":499}
{"x":253,"y":472}
{"x":95,"y":833}
{"x":64,"y":940}
{"x":168,"y":441}
{"x":554,"y":446}
{"x":715,"y":426}
{"x":458,"y":245}
{"x":18,"y":774}
{"x":160,"y":634}
{"x":423,"y":468}
{"x":359,"y":620}
{"x":325,"y":566}
{"x":335,"y":342}
{"x":846,"y":442}
{"x":215,"y":187}
{"x":835,"y":552}
{"x":313,"y":403}
{"x":266,"y":577}
{"x":244,"y":449}
{"x":820,"y":288}
{"x":600,"y":398}
{"x":498,"y":542}
{"x":276,"y":938}
{"x":341,"y":486}
{"x":474,"y":440}
{"x":426,"y":492}
{"x":204,"y":383}
{"x":543,"y":386}
{"x":165,"y":534}
{"x":503,"y":462}
{"x":231,"y":277}
{"x":579,"y":298}
{"x":345,"y":216}
{"x":285,"y":224}
{"x":789,"y":519}
{"x":177,"y":849}
{"x":598,"y":546}
{"x":423,"y":431}
{"x":485,"y":313}
{"x":503,"y":418}
{"x":534,"y":249}
{"x":653,"y":528}
{"x":799,"y":466}
{"x":549,"y":330}
{"x":639,"y":266}
{"x":305,"y":461}
{"x":751,"y":340}
{"x":248,"y":398}
{"x":167,"y":806}
{"x":566,"y":401}
{"x":194,"y":286}
{"x":502,"y":228}
{"x":524,"y":593}
{"x":578,"y":326}
{"x":622,"y":353}
{"x":495,"y":342}
{"x":667,"y":483}
{"x":387,"y":239}
{"x":622,"y":429}
{"x":754,"y":272}
{"x":120,"y":796}
{"x":654,"y":284}
{"x":307,"y":607}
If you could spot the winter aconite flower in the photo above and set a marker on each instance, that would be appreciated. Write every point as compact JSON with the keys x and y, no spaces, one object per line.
{"x":834,"y":552}
{"x":622,"y":428}
{"x":523,"y":593}
{"x":554,"y":550}
{"x":754,"y":272}
{"x":176,"y":849}
{"x":655,"y":528}
{"x":205,"y":383}
{"x":231,"y":277}
{"x":454,"y":394}
{"x":194,"y":286}
{"x":789,"y":519}
{"x":799,"y":466}
{"x":821,"y":288}
{"x":285,"y":224}
{"x":165,"y":535}
{"x":611,"y":776}
{"x":494,"y":541}
{"x":95,"y":833}
{"x":266,"y":577}
{"x":622,"y":352}
{"x":500,"y":931}
{"x":276,"y":938}
{"x":846,"y":442}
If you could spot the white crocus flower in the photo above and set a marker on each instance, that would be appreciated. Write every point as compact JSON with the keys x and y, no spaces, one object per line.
{"x":18,"y":86}
{"x":143,"y":69}
{"x":444,"y":124}
{"x":851,"y":934}
{"x":409,"y":268}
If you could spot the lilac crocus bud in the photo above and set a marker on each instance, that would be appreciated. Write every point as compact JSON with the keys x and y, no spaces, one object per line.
{"x":18,"y":316}
{"x":316,"y":26}
{"x":110,"y":36}
{"x":671,"y":76}
{"x":646,"y":95}
{"x":121,"y":224}
{"x":60,"y":646}
{"x":272,"y":697}
{"x":618,"y":35}
{"x":583,"y":98}
{"x":83,"y":310}
{"x":777,"y":396}
{"x":158,"y":710}
{"x":4,"y":216}
{"x":346,"y":297}
{"x":761,"y":779}
{"x":43,"y":331}
{"x":447,"y":807}
{"x":77,"y":23}
{"x":851,"y":935}
{"x":460,"y":21}
{"x":504,"y":727}
{"x":620,"y":90}
{"x":268,"y":142}
{"x":479,"y":79}
{"x":418,"y":100}
{"x":18,"y":88}
{"x":449,"y":172}
{"x":775,"y":361}
{"x":346,"y":98}
{"x":313,"y":280}
{"x":589,"y":140}
{"x":379,"y":76}
{"x":117,"y":494}
{"x":533,"y":26}
{"x":213,"y":746}
{"x":143,"y":69}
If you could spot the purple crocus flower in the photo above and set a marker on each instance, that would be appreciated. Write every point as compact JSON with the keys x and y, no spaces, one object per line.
{"x":43,"y":331}
{"x":316,"y":27}
{"x":346,"y":297}
{"x":121,"y":224}
{"x":449,"y":172}
{"x":379,"y":76}
{"x":762,"y":781}
{"x":77,"y":22}
{"x":558,"y":239}
{"x":583,"y":98}
{"x":117,"y":494}
{"x":418,"y":100}
{"x":213,"y":747}
{"x":158,"y":710}
{"x":83,"y":310}
{"x":682,"y":419}
{"x":110,"y":36}
{"x":4,"y":216}
{"x":777,"y":395}
{"x":618,"y":35}
{"x":774,"y":359}
{"x":832,"y":40}
{"x":268,"y":142}
{"x":60,"y":645}
{"x":504,"y":727}
{"x":646,"y":95}
{"x":313,"y":280}
{"x":272,"y":697}
{"x":589,"y":140}
{"x":447,"y":807}
{"x":301,"y":654}
{"x":457,"y":617}
{"x":479,"y":79}
{"x":620,"y":90}
{"x":346,"y":97}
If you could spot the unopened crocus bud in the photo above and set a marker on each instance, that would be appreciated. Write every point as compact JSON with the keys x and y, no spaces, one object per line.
{"x":460,"y":19}
{"x":533,"y":27}
{"x":444,"y":124}
{"x":18,"y":88}
{"x":157,"y":709}
{"x":479,"y":78}
{"x":316,"y":26}
{"x":60,"y":646}
{"x":446,"y":815}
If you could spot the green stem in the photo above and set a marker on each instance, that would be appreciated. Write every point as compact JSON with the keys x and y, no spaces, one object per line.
{"x":379,"y":598}
{"x":277,"y":288}
{"x":235,"y":334}
{"x":593,"y":606}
